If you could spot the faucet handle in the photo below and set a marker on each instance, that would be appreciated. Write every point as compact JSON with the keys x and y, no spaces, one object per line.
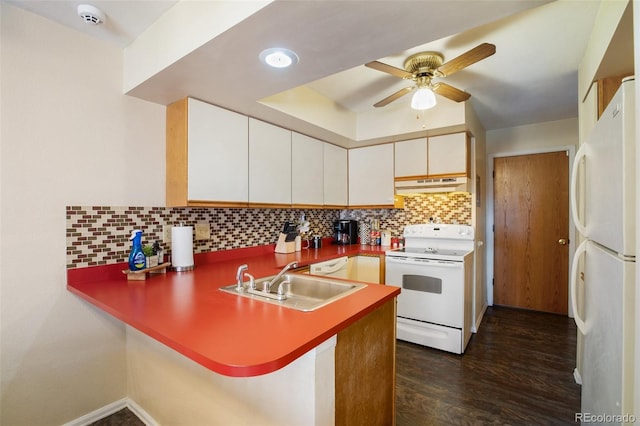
{"x":252,"y":281}
{"x":281,"y":290}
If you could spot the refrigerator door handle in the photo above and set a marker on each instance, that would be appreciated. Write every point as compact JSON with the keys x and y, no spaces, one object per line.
{"x":573,"y":189}
{"x":582,"y":248}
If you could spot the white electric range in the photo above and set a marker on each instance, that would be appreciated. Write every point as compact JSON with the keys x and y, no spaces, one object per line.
{"x":434,"y":269}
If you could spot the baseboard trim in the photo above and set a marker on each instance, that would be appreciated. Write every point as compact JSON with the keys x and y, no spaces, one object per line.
{"x":98,"y":414}
{"x":114,"y":407}
{"x":141,"y":413}
{"x":576,"y":376}
{"x":476,"y":326}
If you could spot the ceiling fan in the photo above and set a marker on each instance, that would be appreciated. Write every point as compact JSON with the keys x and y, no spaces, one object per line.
{"x":422,"y":67}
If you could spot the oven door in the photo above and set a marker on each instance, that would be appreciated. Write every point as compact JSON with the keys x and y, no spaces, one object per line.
{"x":432,"y":290}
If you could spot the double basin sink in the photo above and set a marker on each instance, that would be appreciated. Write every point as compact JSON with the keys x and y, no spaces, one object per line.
{"x":301,"y":292}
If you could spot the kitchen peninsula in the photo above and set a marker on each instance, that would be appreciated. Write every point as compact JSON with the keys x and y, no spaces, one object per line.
{"x":197,"y":354}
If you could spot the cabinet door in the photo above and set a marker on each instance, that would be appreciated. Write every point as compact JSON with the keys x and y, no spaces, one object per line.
{"x":269,"y":163}
{"x":411,"y":158}
{"x":217,"y":154}
{"x":371,"y":175}
{"x":366,"y":268}
{"x":447,"y":155}
{"x":335,"y":175}
{"x":307,"y":184}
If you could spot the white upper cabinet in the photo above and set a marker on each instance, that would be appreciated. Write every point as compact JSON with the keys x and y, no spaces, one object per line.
{"x":206,"y":155}
{"x":411,"y":158}
{"x":371,"y":176}
{"x":319,"y":172}
{"x":335,"y":175}
{"x":217,"y":154}
{"x":269,"y":163}
{"x":307,"y":182}
{"x":447,"y":155}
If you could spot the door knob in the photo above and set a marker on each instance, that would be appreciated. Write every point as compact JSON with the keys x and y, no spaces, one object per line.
{"x":562,"y":241}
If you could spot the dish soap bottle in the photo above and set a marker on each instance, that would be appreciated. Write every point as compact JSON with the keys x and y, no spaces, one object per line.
{"x":137,"y":259}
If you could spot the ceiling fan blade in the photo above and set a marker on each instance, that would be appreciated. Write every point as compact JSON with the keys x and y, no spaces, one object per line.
{"x":400,"y":93}
{"x":474,"y":55}
{"x":443,"y":89}
{"x":397,"y":72}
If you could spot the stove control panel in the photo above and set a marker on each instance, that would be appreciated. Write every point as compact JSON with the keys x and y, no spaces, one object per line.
{"x":439,"y":230}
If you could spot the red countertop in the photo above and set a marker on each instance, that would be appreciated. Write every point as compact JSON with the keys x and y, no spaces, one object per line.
{"x":231,"y":335}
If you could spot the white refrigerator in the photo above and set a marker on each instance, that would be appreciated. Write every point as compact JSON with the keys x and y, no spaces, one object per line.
{"x":608,"y":252}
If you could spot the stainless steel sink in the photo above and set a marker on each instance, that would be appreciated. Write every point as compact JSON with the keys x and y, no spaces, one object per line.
{"x":301,"y":292}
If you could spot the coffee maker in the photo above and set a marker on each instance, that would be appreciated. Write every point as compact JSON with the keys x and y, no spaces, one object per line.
{"x":345,"y":231}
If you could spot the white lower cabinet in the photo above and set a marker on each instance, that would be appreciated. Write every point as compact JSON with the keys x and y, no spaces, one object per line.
{"x":365,"y":268}
{"x":269,"y":163}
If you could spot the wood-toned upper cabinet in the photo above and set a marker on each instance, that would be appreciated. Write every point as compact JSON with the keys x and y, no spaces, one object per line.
{"x":207,"y":150}
{"x":448,"y":155}
{"x":336,"y":189}
{"x":307,"y":182}
{"x":371,"y":176}
{"x":269,"y":164}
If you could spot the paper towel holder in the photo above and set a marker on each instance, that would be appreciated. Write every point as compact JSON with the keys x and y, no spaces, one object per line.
{"x":181,"y":241}
{"x":181,"y":268}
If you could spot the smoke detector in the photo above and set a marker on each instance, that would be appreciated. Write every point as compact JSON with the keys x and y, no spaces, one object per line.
{"x":90,"y":14}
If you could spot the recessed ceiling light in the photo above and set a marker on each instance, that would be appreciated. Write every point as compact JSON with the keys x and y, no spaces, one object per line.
{"x":278,"y":57}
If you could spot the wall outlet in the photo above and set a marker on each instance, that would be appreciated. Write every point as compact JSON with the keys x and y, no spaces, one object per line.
{"x":203,"y":231}
{"x":166,"y":233}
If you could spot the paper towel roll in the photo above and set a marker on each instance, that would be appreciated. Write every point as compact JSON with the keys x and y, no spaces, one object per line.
{"x":182,"y":248}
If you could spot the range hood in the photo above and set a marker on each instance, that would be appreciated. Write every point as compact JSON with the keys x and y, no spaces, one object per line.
{"x":425,"y":186}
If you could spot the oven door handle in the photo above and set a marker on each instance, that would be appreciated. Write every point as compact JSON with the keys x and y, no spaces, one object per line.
{"x":423,"y":262}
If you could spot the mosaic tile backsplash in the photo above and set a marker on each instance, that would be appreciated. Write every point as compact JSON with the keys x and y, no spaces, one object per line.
{"x":99,"y":235}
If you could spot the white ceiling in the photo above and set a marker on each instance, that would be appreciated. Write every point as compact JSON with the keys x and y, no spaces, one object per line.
{"x":531,"y":78}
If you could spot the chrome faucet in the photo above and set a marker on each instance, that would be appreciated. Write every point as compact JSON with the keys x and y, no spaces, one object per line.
{"x":240,"y":275}
{"x":268,"y":285}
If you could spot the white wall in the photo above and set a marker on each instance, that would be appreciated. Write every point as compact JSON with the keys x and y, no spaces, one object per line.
{"x":174,"y":390}
{"x":533,"y":138}
{"x":68,"y":137}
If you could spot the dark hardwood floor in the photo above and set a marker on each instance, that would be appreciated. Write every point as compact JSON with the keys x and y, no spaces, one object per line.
{"x":517,"y":370}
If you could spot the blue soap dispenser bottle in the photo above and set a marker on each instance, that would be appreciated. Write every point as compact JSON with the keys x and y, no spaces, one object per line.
{"x":137,"y":259}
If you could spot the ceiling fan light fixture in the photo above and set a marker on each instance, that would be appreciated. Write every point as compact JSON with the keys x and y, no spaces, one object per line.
{"x":278,"y":57}
{"x":424,"y":98}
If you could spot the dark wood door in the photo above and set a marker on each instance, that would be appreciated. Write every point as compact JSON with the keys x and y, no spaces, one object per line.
{"x":531,"y":235}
